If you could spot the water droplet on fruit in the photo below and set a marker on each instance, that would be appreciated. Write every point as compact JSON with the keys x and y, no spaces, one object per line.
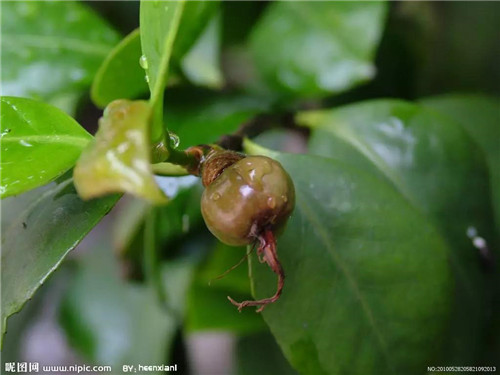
{"x":271,"y":202}
{"x":143,"y":62}
{"x":215,"y":196}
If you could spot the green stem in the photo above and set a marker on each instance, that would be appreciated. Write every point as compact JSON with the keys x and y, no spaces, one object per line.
{"x":151,"y":263}
{"x":169,"y":169}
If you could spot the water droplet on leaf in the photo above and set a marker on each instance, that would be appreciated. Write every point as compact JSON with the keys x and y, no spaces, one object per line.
{"x":174,"y":139}
{"x":22,"y":142}
{"x":143,"y":62}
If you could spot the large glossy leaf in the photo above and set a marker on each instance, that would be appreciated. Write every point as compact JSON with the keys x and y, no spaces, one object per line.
{"x":41,"y":236}
{"x":202,"y":116}
{"x":50,"y":49}
{"x":431,"y":162}
{"x":119,"y":159}
{"x":259,"y":354}
{"x":111,"y":321}
{"x":159,"y":22}
{"x":120,"y":75}
{"x":38,"y":144}
{"x":368,"y":287}
{"x":312,"y":48}
{"x":480,"y":117}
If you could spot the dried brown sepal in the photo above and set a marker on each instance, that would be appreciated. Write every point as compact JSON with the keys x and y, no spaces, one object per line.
{"x":215,"y":163}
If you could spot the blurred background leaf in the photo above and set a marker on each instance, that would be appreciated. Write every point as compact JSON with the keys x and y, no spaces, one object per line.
{"x":201,"y":116}
{"x":311,"y":49}
{"x":480,"y":117}
{"x":53,"y":57}
{"x":113,"y":322}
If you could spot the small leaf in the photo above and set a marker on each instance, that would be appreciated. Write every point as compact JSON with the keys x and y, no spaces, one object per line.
{"x":120,"y":75}
{"x":314,"y":48}
{"x":111,"y":321}
{"x":39,"y":143}
{"x":51,"y":49}
{"x":365,"y":271}
{"x":480,"y":117}
{"x":119,"y":158}
{"x":40,"y":237}
{"x":159,"y":22}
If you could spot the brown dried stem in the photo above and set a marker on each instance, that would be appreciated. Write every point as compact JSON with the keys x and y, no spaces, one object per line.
{"x":267,"y":248}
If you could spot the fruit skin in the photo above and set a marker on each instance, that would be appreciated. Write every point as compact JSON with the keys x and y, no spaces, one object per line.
{"x":253,"y":194}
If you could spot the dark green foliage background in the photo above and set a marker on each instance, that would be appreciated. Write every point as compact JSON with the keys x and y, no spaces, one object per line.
{"x":387,"y":117}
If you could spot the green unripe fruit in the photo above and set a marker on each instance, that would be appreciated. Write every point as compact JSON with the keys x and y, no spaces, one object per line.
{"x":248,"y":197}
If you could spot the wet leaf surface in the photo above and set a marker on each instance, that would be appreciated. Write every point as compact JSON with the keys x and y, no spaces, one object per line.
{"x":39,"y":238}
{"x":434,"y":164}
{"x":313,"y":48}
{"x":119,"y":158}
{"x":51,"y":49}
{"x":159,"y":25}
{"x":38,"y":144}
{"x":365,"y":272}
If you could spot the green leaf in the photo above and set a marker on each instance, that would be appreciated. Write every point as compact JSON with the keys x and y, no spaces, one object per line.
{"x":174,"y":221}
{"x":480,"y":117}
{"x":111,"y":321}
{"x":201,"y":64}
{"x":41,"y":236}
{"x":120,"y":75}
{"x":195,"y":17}
{"x":433,"y":164}
{"x":259,"y":354}
{"x":315,"y":48}
{"x":51,"y":49}
{"x":224,"y":257}
{"x":119,"y":158}
{"x":208,"y":306}
{"x":202,"y":116}
{"x":159,"y":22}
{"x":39,"y":143}
{"x":209,"y":310}
{"x":366,"y":271}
